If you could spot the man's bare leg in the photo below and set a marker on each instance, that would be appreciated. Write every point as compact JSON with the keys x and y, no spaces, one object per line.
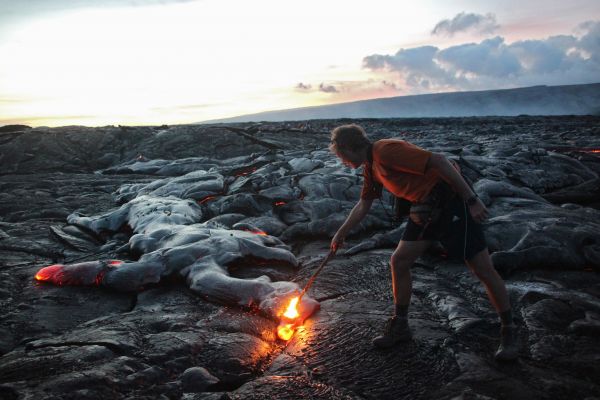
{"x":482,"y":266}
{"x":400,"y":263}
{"x":402,"y":259}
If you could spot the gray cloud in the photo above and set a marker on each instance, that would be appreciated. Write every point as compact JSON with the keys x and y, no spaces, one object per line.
{"x":490,"y":57}
{"x":417,"y":65}
{"x":303,"y":87}
{"x":493,"y":63}
{"x":590,"y":42}
{"x":327,"y":88}
{"x":466,"y":22}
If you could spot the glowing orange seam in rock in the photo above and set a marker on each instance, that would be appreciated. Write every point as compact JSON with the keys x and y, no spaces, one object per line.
{"x":246,"y":172}
{"x":205,"y":199}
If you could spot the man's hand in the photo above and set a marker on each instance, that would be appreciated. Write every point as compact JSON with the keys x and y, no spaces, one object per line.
{"x":478,"y":211}
{"x":337,"y":242}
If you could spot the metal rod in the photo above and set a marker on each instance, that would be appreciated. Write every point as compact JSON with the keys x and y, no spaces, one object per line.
{"x":317,"y":272}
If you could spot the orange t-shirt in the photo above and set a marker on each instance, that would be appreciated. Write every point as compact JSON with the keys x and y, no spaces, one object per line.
{"x":400,"y":167}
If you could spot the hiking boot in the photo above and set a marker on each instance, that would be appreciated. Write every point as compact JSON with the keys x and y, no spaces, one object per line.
{"x":509,"y":347}
{"x":396,"y":330}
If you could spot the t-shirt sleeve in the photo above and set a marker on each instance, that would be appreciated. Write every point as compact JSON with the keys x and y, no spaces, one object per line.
{"x":403,"y":157}
{"x":371,"y":189}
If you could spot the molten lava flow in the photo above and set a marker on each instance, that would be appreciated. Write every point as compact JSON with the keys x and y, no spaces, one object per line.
{"x":47,"y":273}
{"x":288,"y":323}
{"x":77,"y":274}
{"x":285,"y":332}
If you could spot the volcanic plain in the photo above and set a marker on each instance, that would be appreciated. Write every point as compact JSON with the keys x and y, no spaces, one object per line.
{"x":197,"y":234}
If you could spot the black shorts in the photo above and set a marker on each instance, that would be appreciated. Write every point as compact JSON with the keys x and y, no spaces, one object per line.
{"x":449,"y":229}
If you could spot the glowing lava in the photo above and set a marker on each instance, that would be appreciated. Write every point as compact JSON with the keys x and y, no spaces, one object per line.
{"x":47,"y":273}
{"x":288,"y":321}
{"x":280,"y":203}
{"x":86,"y":273}
{"x":256,"y":231}
{"x":246,"y":172}
{"x":205,"y":199}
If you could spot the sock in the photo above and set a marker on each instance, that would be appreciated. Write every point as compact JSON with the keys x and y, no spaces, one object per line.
{"x":401,"y":310}
{"x":506,"y":318}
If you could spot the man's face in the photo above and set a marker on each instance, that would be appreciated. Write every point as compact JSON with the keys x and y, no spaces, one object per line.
{"x":349,"y":158}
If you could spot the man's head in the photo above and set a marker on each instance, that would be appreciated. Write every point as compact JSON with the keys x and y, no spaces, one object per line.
{"x":350,"y":144}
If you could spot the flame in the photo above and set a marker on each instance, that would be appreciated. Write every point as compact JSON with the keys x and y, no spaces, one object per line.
{"x":287,"y":324}
{"x":291,"y":312}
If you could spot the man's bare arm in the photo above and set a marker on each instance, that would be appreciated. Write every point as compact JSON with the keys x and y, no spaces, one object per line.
{"x":448,"y":173}
{"x":356,"y":215}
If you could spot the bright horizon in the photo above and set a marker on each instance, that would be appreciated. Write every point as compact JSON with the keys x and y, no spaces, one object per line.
{"x":175,"y":62}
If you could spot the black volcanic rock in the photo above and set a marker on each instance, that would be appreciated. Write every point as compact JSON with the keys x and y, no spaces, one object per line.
{"x":207,"y":221}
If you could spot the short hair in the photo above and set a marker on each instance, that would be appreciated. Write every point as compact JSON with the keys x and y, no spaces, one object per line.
{"x":349,"y":137}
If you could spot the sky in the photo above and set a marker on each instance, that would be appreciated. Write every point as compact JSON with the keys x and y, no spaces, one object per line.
{"x":151,"y":62}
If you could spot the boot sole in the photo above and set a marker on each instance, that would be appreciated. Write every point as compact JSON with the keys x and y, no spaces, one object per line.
{"x":395,"y":342}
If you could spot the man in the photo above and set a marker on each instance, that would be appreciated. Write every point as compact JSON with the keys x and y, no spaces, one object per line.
{"x":444,"y":208}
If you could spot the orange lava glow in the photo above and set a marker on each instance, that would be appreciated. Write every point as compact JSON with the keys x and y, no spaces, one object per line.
{"x":255,"y":231}
{"x":285,"y":331}
{"x":288,"y":323}
{"x":48,"y":272}
{"x":595,"y":151}
{"x":246,"y":172}
{"x":205,"y":199}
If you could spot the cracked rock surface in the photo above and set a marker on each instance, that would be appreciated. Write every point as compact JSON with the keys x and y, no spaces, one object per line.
{"x":175,"y":248}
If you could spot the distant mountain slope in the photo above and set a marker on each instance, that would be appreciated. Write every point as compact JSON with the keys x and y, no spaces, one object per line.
{"x":535,"y":100}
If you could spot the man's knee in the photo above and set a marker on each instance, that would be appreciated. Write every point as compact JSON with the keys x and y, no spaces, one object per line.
{"x":481,"y":266}
{"x":402,"y":261}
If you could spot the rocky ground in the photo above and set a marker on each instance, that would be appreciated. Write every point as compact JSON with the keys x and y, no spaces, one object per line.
{"x":192,"y":310}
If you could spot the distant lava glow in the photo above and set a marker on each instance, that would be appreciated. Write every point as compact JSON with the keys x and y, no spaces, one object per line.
{"x":288,"y":321}
{"x":256,"y":231}
{"x":205,"y":199}
{"x":246,"y":172}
